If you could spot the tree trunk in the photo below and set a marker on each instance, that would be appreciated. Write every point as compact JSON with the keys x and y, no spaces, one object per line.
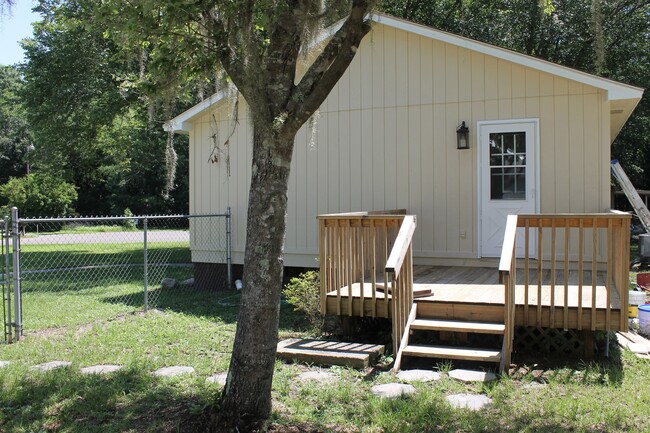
{"x":247,"y":395}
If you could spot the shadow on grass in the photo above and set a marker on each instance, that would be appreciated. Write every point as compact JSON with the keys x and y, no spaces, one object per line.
{"x":222,"y":305}
{"x":129,"y":400}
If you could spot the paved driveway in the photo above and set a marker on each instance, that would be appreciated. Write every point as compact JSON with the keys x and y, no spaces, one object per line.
{"x":108,"y":238}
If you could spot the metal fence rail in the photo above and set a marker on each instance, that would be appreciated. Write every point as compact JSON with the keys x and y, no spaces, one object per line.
{"x":70,"y":271}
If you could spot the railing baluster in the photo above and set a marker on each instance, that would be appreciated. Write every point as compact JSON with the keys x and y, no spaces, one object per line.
{"x":567,"y":235}
{"x":608,"y":281}
{"x":373,"y":270}
{"x":594,"y":272}
{"x":362,"y":280}
{"x":553,"y":271}
{"x":385,"y":258}
{"x":526,"y":270}
{"x":581,"y":257}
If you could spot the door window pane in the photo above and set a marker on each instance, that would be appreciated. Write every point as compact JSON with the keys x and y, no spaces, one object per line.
{"x":508,"y":166}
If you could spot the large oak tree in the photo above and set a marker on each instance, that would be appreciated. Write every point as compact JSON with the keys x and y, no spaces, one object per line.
{"x":259,"y":44}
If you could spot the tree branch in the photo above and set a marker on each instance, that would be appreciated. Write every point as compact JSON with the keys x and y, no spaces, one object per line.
{"x":328,"y":68}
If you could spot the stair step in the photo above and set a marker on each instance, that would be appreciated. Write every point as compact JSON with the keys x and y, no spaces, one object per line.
{"x":467,"y":353}
{"x":458,"y":326}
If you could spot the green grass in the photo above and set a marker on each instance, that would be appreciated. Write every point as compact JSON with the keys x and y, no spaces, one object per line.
{"x":610,"y":396}
{"x":72,"y":284}
{"x":100,"y":322}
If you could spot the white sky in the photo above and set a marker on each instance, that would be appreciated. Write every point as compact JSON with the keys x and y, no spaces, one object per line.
{"x":14,"y":26}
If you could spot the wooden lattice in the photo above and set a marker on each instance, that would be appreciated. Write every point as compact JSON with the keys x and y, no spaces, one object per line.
{"x":548,"y":341}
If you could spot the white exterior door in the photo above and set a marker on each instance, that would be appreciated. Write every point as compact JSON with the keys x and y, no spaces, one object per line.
{"x":508,"y":180}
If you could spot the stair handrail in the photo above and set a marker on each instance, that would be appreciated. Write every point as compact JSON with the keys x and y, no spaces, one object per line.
{"x":508,"y":277}
{"x":401,"y":246}
{"x":400,"y":266}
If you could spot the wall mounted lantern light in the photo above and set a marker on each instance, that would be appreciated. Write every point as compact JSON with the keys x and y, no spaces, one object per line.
{"x":463,"y":136}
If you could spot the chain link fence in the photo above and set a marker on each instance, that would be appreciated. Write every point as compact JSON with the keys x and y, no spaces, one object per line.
{"x":72,"y":271}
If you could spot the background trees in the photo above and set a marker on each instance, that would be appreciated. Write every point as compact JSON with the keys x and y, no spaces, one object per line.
{"x":75,"y":100}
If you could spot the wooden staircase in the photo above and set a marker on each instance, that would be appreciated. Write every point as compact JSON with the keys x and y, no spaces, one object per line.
{"x":420,"y":321}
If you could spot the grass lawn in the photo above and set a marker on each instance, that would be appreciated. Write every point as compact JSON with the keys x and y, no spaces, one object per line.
{"x":98,"y":322}
{"x":197,"y":330}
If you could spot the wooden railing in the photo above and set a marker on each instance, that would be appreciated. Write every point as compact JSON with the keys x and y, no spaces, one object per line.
{"x":508,"y":277}
{"x":582,"y":257}
{"x":366,"y":265}
{"x":400,"y":268}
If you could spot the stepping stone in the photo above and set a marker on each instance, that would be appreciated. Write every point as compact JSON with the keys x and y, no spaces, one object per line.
{"x":218,"y":378}
{"x":469,"y":401}
{"x":52,"y":365}
{"x":418,"y":375}
{"x":472,"y":375}
{"x":176,"y":370}
{"x":4,"y":364}
{"x":392,"y":390}
{"x":101,"y":369}
{"x":317,"y":376}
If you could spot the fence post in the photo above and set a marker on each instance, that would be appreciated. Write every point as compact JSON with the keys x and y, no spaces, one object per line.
{"x":18,"y":315}
{"x":146,"y":267}
{"x":229,"y":247}
{"x":7,"y":286}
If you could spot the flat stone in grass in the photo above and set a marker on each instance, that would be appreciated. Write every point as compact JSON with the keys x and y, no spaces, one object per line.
{"x":469,"y":401}
{"x":218,"y":378}
{"x":317,"y":376}
{"x":4,"y":364}
{"x":173,"y":371}
{"x":52,"y":365}
{"x":392,"y":390}
{"x":418,"y":375}
{"x":101,"y":369}
{"x":472,"y":375}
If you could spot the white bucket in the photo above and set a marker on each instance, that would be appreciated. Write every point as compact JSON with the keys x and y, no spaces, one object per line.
{"x":637,"y":298}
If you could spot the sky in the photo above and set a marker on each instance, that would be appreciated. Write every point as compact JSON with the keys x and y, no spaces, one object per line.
{"x":14,"y":26}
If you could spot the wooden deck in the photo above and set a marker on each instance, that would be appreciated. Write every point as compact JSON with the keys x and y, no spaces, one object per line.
{"x":360,"y":252}
{"x":459,"y":287}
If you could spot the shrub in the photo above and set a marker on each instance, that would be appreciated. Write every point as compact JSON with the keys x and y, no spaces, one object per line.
{"x":40,"y":194}
{"x":303,"y":293}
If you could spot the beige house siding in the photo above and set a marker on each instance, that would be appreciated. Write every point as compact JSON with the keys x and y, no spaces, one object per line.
{"x":386,"y":139}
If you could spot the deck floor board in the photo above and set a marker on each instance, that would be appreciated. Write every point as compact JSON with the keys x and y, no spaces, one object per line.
{"x":480,"y":285}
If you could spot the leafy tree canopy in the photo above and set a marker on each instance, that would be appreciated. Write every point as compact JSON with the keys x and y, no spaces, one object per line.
{"x":15,"y":136}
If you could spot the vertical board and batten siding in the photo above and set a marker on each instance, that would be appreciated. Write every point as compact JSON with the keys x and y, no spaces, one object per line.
{"x":385,"y":139}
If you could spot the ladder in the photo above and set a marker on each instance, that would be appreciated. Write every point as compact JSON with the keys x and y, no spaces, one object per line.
{"x":637,"y":203}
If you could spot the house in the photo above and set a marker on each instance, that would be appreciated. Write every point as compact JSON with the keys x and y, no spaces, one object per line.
{"x":386,"y":138}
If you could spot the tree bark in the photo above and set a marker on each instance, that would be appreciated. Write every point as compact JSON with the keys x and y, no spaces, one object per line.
{"x":247,"y":395}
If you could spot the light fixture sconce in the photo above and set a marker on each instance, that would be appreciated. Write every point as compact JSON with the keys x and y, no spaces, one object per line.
{"x":462,"y":133}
